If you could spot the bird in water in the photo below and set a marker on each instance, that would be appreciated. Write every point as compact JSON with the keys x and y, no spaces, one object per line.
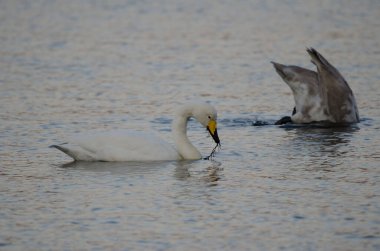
{"x":322,"y":96}
{"x":141,"y":146}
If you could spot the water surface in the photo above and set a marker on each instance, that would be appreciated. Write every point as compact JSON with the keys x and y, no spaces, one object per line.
{"x":74,"y":66}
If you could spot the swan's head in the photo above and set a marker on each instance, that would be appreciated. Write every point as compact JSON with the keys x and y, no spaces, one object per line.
{"x":207,"y":116}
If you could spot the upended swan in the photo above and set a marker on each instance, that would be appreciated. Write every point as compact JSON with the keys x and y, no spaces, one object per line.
{"x":139,"y":146}
{"x":322,"y":96}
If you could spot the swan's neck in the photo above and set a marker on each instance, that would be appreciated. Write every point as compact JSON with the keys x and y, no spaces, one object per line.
{"x":182,"y":142}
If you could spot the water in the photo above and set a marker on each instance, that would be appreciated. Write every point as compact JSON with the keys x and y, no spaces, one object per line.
{"x":74,"y":66}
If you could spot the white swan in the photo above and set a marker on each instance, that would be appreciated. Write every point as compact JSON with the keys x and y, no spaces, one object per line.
{"x":319,"y":96}
{"x":138,"y":146}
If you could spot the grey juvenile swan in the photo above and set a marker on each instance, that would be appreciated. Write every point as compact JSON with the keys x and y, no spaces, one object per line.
{"x":322,"y":96}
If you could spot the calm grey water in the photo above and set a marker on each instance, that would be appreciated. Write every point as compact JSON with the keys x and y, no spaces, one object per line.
{"x":74,"y":66}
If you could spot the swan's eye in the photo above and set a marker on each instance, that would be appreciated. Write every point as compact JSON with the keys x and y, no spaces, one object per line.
{"x":209,"y":116}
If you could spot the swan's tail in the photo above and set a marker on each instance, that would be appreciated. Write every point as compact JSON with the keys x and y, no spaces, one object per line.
{"x":64,"y":149}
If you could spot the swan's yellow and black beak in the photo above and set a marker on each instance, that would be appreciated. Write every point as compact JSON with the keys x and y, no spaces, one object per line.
{"x":211,"y":128}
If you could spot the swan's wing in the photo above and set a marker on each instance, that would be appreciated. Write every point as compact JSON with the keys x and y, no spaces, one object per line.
{"x":335,"y":91}
{"x":304,"y":85}
{"x":300,"y":80}
{"x":293,"y":74}
{"x":119,"y":146}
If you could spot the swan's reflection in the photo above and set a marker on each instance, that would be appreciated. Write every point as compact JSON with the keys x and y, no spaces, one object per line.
{"x":320,"y":146}
{"x":125,"y":168}
{"x":183,"y":170}
{"x":207,"y":171}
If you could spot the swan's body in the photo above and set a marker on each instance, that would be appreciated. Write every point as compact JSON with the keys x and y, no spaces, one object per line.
{"x":319,"y":96}
{"x":139,"y":146}
{"x":119,"y":146}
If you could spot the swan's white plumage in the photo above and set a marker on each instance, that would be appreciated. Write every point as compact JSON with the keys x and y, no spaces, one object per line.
{"x":122,"y":145}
